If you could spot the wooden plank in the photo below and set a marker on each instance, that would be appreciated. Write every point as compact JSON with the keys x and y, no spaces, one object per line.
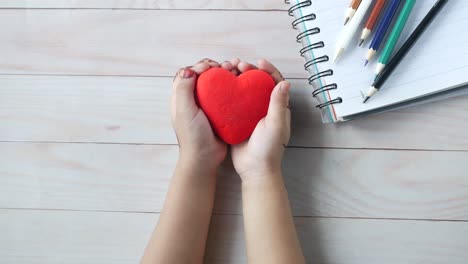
{"x":85,"y":176}
{"x":98,"y":237}
{"x":73,"y":237}
{"x":321,"y":182}
{"x":438,"y":125}
{"x":146,"y":4}
{"x":136,"y":110}
{"x":141,"y":42}
{"x":354,"y":241}
{"x":86,"y":109}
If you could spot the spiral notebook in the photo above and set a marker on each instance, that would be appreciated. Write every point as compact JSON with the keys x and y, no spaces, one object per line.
{"x":436,"y":68}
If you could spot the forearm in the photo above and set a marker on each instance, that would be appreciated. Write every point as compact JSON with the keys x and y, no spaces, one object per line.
{"x":181,"y":233}
{"x":270,"y":232}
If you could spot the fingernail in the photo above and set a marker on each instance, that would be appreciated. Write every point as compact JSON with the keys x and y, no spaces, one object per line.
{"x":187,"y":73}
{"x":178,"y":73}
{"x":281,"y":75}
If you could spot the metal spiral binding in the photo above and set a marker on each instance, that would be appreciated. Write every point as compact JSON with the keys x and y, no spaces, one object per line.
{"x":310,"y":48}
{"x":302,"y":20}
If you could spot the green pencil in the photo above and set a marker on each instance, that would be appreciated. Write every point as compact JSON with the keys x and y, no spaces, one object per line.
{"x":395,"y":35}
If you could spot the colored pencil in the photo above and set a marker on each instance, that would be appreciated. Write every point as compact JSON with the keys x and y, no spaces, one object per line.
{"x":351,"y":28}
{"x":351,"y":10}
{"x":372,"y":21}
{"x":395,"y":35}
{"x":382,"y":29}
{"x":403,"y":51}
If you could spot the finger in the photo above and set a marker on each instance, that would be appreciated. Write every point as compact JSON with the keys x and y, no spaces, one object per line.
{"x":176,"y":75}
{"x":201,"y":67}
{"x":235,"y":62}
{"x":183,"y":91}
{"x":227,"y":65}
{"x":245,"y":66}
{"x":268,"y":67}
{"x":278,"y":109}
{"x":211,"y":62}
{"x":287,"y":124}
{"x":235,"y":71}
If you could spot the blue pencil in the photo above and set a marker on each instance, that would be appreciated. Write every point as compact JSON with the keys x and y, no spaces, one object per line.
{"x":382,"y":29}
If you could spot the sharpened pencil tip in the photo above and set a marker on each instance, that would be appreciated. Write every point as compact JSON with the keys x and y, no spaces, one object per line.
{"x":379,"y":69}
{"x":361,"y":42}
{"x":365,"y":63}
{"x":370,"y":93}
{"x":346,"y":21}
{"x":338,"y":55}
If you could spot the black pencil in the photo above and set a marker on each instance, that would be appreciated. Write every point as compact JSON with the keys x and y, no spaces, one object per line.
{"x":403,"y":51}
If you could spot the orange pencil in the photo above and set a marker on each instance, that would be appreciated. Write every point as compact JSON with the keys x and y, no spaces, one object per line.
{"x":372,"y":21}
{"x":352,"y":10}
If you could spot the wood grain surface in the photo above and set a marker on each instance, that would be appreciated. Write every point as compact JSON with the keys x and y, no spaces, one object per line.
{"x":147,"y":4}
{"x":92,"y":237}
{"x":140,"y":42}
{"x":320,"y":182}
{"x":136,"y":110}
{"x":87,"y":149}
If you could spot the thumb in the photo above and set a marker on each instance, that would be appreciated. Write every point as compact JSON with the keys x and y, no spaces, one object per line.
{"x":278,"y":111}
{"x":183,"y":91}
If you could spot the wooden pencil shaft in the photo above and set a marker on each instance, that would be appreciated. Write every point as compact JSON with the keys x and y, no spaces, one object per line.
{"x":352,"y":10}
{"x":413,"y":38}
{"x":375,"y":14}
{"x":396,"y":32}
{"x":351,"y":28}
{"x":355,"y":4}
{"x":384,"y":24}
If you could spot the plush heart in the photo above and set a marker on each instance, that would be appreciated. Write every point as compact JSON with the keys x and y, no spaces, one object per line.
{"x":234,"y":104}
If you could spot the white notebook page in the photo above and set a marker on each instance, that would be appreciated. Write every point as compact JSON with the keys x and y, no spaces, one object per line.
{"x":438,"y":61}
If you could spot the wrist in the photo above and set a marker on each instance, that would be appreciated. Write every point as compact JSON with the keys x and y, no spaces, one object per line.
{"x":261,"y":186}
{"x":259,"y":177}
{"x":202,"y":155}
{"x":198,"y":164}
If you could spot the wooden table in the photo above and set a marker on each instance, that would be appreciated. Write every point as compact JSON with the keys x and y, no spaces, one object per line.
{"x":87,"y":149}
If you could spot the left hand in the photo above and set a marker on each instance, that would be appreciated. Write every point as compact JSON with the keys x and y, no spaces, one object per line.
{"x":196,"y":139}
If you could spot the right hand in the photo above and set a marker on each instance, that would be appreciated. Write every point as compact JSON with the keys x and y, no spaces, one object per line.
{"x":261,"y":155}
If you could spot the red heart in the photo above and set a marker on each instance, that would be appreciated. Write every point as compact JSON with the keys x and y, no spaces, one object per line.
{"x":234,"y":104}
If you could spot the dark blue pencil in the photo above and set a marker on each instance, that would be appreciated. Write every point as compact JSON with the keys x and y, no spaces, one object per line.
{"x":382,"y":29}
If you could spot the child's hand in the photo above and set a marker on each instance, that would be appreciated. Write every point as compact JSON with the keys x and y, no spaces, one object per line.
{"x":261,"y":155}
{"x":198,"y":144}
